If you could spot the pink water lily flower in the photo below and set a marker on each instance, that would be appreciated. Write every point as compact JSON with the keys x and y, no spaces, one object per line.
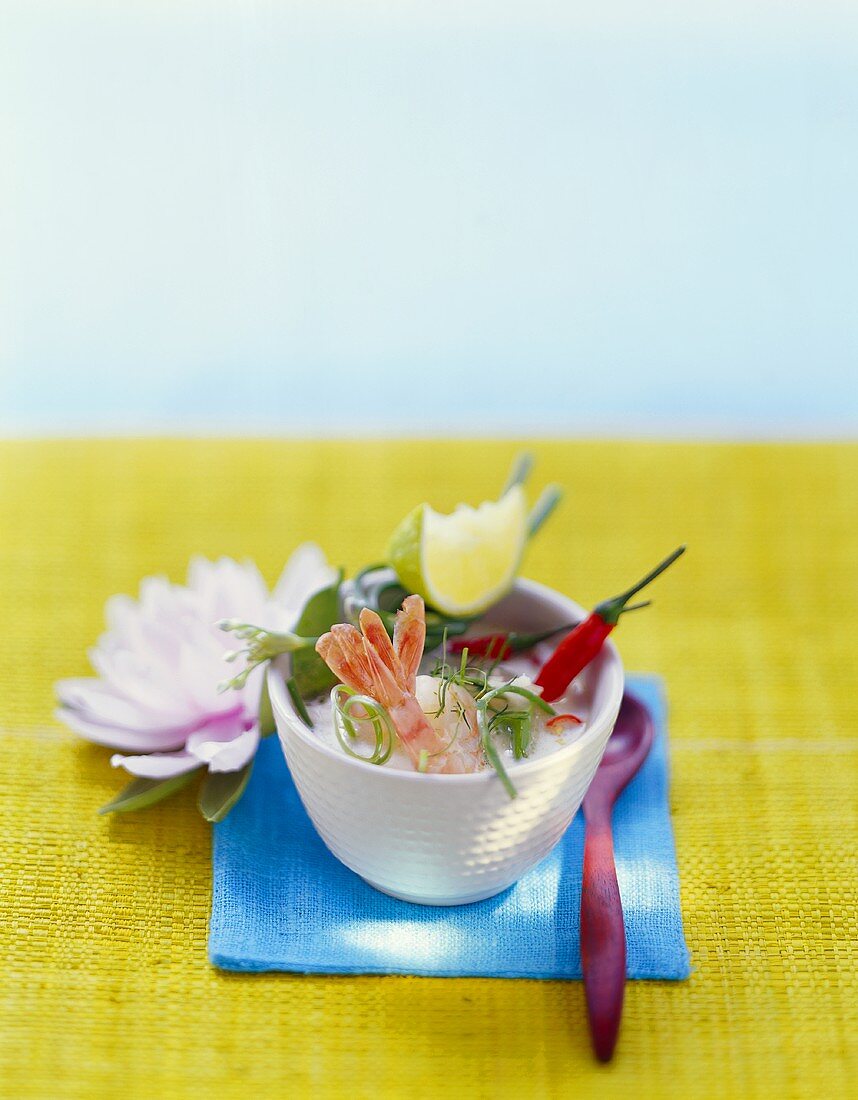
{"x":161,"y":660}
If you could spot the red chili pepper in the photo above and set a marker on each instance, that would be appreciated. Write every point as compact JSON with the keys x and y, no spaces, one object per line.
{"x":559,"y":719}
{"x":499,"y":647}
{"x":579,"y":647}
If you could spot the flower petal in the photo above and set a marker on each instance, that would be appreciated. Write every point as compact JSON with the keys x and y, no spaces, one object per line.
{"x":306,"y":571}
{"x":119,"y":738}
{"x":157,"y":765}
{"x":97,"y":701}
{"x":226,"y":756}
{"x":143,"y":682}
{"x":225,"y":589}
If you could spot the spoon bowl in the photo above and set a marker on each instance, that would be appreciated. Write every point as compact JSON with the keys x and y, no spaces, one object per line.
{"x":628,"y":745}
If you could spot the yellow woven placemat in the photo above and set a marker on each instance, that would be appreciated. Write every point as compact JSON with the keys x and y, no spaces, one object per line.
{"x":106,"y":991}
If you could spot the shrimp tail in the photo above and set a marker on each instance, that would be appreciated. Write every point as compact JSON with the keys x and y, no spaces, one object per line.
{"x":343,"y":652}
{"x":409,"y":637}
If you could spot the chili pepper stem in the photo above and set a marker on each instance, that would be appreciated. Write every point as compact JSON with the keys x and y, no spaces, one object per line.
{"x":637,"y":606}
{"x":610,"y":610}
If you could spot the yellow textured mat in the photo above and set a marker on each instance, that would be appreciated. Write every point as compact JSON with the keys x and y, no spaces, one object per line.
{"x":106,"y":991}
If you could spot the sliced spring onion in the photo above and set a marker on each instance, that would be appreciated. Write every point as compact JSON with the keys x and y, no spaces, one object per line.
{"x":490,"y":749}
{"x":518,"y":724}
{"x":348,"y":725}
{"x":525,"y":693}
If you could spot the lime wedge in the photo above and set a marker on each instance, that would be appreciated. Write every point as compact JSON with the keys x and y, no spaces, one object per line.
{"x":464,"y":562}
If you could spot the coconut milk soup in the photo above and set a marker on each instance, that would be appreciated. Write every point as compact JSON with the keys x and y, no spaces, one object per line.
{"x":448,"y":698}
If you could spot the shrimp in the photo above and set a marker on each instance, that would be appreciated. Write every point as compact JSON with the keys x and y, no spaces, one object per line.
{"x":369,"y":663}
{"x":452,"y":712}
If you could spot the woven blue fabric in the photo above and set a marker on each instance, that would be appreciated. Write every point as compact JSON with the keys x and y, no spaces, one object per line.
{"x":283,"y":902}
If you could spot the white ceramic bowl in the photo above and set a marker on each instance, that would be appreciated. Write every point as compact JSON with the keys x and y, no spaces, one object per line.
{"x":452,"y":839}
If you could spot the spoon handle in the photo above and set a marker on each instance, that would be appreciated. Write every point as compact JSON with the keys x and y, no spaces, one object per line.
{"x":603,"y":939}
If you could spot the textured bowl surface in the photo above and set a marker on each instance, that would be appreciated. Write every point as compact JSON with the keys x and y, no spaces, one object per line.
{"x":451,"y":839}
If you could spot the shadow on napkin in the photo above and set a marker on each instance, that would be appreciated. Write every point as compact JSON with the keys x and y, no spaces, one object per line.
{"x":281,"y":901}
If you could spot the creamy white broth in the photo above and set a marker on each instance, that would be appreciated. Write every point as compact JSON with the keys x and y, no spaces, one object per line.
{"x":544,"y":741}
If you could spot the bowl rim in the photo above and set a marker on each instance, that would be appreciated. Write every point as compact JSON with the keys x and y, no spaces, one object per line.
{"x":613,"y":669}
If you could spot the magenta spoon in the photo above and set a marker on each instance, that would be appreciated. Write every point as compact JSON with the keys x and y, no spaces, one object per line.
{"x":603,"y":936}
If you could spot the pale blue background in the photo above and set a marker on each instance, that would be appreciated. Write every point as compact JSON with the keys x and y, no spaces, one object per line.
{"x":409,"y":217}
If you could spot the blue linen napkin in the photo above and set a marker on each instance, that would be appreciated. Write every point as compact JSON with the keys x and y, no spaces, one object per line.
{"x":283,"y":902}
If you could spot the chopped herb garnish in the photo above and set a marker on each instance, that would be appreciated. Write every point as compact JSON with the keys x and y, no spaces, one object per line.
{"x":484,"y":722}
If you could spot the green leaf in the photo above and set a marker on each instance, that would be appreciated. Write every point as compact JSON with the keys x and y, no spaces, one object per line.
{"x":221,"y":791}
{"x":267,"y":725}
{"x":310,"y":673}
{"x":141,"y":793}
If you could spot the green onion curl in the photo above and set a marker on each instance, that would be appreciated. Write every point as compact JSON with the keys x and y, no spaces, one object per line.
{"x":347,"y":726}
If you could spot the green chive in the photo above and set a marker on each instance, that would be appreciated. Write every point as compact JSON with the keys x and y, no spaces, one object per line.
{"x":548,"y":501}
{"x":298,"y":702}
{"x":520,"y":471}
{"x":490,"y":749}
